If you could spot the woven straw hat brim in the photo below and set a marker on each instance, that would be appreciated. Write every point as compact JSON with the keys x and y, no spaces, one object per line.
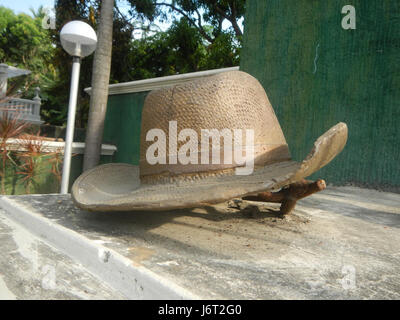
{"x":116,"y":187}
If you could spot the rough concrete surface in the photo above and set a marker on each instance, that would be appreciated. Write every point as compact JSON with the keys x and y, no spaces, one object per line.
{"x":32,"y":269}
{"x":343,"y":243}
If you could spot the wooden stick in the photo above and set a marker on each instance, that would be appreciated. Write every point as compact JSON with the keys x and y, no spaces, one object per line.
{"x":289,"y":196}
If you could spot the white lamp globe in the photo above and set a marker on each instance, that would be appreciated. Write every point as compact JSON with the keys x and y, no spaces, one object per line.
{"x":78,"y":39}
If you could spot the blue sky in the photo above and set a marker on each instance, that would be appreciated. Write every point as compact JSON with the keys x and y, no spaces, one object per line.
{"x":19,"y":6}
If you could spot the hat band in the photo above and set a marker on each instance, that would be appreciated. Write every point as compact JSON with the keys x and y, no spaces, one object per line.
{"x":170,"y":173}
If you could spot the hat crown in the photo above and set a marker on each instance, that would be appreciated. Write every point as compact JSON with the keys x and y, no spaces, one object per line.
{"x":228,"y":100}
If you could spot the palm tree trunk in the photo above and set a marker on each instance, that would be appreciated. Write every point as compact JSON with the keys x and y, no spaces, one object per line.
{"x":100,"y":80}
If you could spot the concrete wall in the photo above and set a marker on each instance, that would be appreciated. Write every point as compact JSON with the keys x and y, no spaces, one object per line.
{"x":317,"y":74}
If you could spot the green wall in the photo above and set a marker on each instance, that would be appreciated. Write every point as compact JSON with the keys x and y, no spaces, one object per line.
{"x":122,"y":125}
{"x":317,"y":74}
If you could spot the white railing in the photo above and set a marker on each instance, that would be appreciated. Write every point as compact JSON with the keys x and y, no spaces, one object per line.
{"x":24,"y":109}
{"x":16,"y":144}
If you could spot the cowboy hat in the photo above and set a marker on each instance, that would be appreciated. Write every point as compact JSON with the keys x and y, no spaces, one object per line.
{"x":226,"y":101}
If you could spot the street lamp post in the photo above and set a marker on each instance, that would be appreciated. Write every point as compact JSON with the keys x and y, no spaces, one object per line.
{"x":79,"y":40}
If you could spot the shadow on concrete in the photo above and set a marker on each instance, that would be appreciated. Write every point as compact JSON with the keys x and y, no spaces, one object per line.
{"x":245,"y":225}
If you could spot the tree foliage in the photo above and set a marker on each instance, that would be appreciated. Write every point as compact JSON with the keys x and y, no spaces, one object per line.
{"x":200,"y":14}
{"x":202,"y":35}
{"x":25,"y":44}
{"x":196,"y":39}
{"x":180,"y":49}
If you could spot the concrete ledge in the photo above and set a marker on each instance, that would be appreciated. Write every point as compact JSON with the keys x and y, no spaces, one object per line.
{"x":343,"y":243}
{"x":135,"y":282}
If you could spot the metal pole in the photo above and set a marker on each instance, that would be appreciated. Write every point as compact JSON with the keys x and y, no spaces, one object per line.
{"x":73,"y":95}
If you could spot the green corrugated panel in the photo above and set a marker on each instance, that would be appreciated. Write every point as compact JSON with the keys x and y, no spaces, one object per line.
{"x":122,"y":125}
{"x":317,"y":74}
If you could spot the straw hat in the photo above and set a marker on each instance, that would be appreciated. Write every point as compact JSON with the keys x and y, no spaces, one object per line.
{"x":230,"y":100}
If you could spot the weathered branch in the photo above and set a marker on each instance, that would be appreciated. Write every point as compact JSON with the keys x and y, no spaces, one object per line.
{"x":125,"y":19}
{"x":288,"y":197}
{"x":235,"y":26}
{"x":133,"y":26}
{"x":191,"y":21}
{"x":231,"y":19}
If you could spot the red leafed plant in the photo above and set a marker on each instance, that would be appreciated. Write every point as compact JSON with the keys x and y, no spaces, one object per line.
{"x":32,"y":154}
{"x":28,"y":154}
{"x":10,"y":127}
{"x":56,"y":161}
